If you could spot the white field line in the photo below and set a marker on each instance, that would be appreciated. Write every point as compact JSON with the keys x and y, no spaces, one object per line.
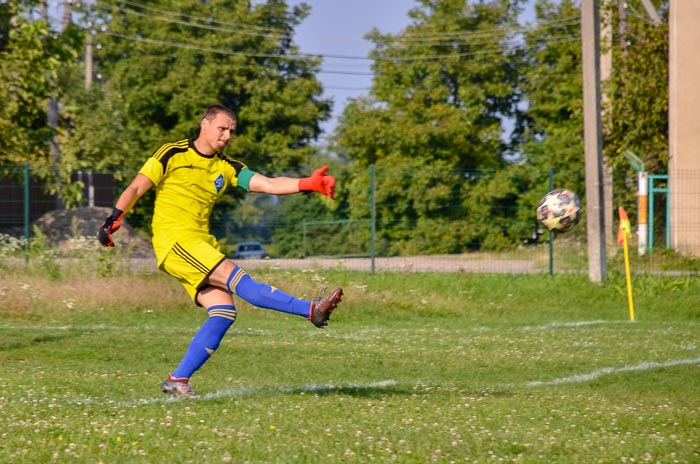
{"x":645,"y":366}
{"x":566,"y":325}
{"x":312,"y":388}
{"x":146,"y":328}
{"x":105,"y":327}
{"x":117,"y":328}
{"x":230,"y":393}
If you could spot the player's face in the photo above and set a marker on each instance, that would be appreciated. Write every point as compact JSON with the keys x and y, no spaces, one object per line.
{"x":218,"y":132}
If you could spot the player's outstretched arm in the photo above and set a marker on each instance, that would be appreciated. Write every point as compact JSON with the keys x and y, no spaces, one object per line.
{"x":318,"y":182}
{"x":128,"y":198}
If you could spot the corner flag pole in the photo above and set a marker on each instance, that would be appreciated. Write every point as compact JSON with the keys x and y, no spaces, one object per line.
{"x":623,"y":234}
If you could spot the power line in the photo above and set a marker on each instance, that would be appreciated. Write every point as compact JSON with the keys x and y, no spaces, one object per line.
{"x":236,"y":27}
{"x":302,"y":56}
{"x":198,"y":26}
{"x":217,"y":51}
{"x":495,"y":34}
{"x":225,"y":52}
{"x":270,"y":30}
{"x":515,"y":48}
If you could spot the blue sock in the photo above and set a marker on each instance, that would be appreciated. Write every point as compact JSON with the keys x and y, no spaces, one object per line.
{"x":207,"y":340}
{"x":264,"y":295}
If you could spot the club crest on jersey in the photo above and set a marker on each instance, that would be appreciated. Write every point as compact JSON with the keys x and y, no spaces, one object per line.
{"x":219,"y":183}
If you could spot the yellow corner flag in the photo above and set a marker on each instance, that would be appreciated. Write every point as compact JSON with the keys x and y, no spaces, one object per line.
{"x":625,"y":227}
{"x":623,"y":234}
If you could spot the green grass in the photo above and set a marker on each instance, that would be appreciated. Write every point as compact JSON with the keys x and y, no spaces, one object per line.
{"x":413,"y":368}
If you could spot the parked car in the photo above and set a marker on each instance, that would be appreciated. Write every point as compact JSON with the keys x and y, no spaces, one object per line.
{"x":249,"y":250}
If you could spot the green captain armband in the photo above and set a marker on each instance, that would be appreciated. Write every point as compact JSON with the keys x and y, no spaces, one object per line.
{"x":244,"y":178}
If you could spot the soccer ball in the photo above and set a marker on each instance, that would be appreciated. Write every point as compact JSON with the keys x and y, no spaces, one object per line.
{"x":560,"y":210}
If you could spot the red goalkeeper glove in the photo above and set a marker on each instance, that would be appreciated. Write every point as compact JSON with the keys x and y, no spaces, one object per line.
{"x":318,"y":182}
{"x":111,"y":225}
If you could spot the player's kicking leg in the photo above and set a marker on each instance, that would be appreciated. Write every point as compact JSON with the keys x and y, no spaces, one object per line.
{"x":236,"y":281}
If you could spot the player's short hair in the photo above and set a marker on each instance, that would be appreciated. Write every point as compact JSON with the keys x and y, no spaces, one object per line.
{"x":211,"y":111}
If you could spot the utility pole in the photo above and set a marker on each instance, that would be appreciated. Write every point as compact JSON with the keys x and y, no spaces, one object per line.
{"x":67,"y":11}
{"x":606,"y":66}
{"x":52,"y":121}
{"x":622,"y":28}
{"x":88,"y":59}
{"x":593,"y":144}
{"x":52,"y":111}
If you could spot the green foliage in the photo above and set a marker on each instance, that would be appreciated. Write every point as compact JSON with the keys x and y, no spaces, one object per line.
{"x":95,"y":123}
{"x":550,"y":129}
{"x":27,"y":46}
{"x":443,"y":90}
{"x":154,"y":75}
{"x":44,"y":255}
{"x":11,"y":247}
{"x":158,"y":73}
{"x":436,"y":99}
{"x":292,"y":212}
{"x":166,"y":72}
{"x":638,"y":104}
{"x":501,"y":209}
{"x":657,"y":260}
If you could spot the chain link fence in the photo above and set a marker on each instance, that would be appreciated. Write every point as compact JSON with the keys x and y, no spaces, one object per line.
{"x":395,"y":229}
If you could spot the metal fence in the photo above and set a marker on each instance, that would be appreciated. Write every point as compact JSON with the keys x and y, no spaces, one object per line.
{"x":356,"y":244}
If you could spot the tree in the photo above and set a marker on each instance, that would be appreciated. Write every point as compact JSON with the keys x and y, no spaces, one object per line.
{"x":638,"y":104}
{"x":442,"y":91}
{"x":162,"y":64}
{"x":31,"y":57}
{"x":635,"y":115}
{"x":550,"y":128}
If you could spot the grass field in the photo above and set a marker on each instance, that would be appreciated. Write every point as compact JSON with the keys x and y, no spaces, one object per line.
{"x":413,"y":368}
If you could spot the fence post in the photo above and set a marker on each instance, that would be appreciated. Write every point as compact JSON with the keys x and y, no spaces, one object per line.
{"x":26,"y":213}
{"x":303,"y":239}
{"x":373,"y":216}
{"x":652,"y":190}
{"x":550,"y":233}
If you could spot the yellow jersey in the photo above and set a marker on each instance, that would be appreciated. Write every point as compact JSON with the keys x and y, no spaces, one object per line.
{"x":188,"y":184}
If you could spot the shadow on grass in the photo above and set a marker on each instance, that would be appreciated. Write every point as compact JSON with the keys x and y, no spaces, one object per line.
{"x":362,"y":391}
{"x":368,"y":390}
{"x":19,"y":342}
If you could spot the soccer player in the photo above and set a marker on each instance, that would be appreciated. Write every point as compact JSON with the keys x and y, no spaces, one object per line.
{"x":190,"y":176}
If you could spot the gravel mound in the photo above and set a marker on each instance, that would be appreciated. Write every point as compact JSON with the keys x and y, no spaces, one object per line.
{"x":63,"y":225}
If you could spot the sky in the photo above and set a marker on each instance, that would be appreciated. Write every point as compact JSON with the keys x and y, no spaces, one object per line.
{"x":338,"y":27}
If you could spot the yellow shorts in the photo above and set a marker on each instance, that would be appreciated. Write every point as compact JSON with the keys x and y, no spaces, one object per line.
{"x":191,"y":260}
